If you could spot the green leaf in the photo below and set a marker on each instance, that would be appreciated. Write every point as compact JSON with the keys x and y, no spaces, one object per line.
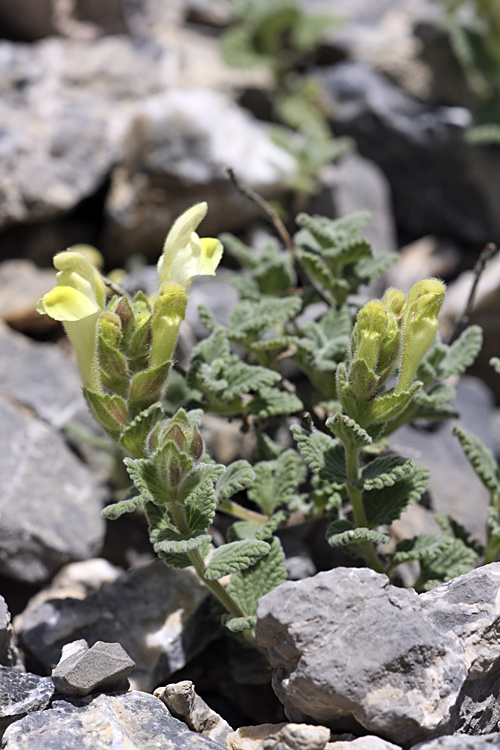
{"x":255,"y":530}
{"x":276,"y":482}
{"x":146,"y":387}
{"x":246,"y":256}
{"x":249,"y":320}
{"x":495,"y":363}
{"x":115,"y":510}
{"x":207,"y":318}
{"x":385,"y":471}
{"x":237,"y":477}
{"x":243,"y":378}
{"x":173,"y":542}
{"x":480,"y":458}
{"x":133,"y":438}
{"x":383,"y":506}
{"x":235,"y":556}
{"x":239,"y":624}
{"x":324,"y":455}
{"x":110,"y":411}
{"x":462,"y":353}
{"x":348,"y":430}
{"x":145,"y":477}
{"x":200,"y":474}
{"x":200,"y":508}
{"x":249,"y":585}
{"x":353,"y":536}
{"x":389,"y":405}
{"x":419,"y":548}
{"x":449,"y":562}
{"x":113,"y":368}
{"x":273,"y":402}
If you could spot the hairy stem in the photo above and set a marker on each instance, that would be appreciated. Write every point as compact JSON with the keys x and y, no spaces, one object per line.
{"x":234,"y":509}
{"x":352,"y":465}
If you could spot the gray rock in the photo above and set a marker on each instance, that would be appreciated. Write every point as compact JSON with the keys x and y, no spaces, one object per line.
{"x":9,"y":655}
{"x":38,"y":471}
{"x":161,"y":617}
{"x":462,"y":742}
{"x":362,"y":743}
{"x":327,"y":639}
{"x":132,"y":720}
{"x":104,"y":667}
{"x":297,"y":737}
{"x":184,"y":703}
{"x":440,"y":183}
{"x":21,"y":694}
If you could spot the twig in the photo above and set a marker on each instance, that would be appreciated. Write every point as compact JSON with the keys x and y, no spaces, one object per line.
{"x":280,"y":228}
{"x":115,"y":288}
{"x":485,"y":256}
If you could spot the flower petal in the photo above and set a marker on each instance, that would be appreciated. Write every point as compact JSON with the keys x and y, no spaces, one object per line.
{"x":67,"y":304}
{"x":178,"y":241}
{"x":211,"y":254}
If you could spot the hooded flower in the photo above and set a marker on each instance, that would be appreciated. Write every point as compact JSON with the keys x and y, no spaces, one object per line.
{"x":77,"y":301}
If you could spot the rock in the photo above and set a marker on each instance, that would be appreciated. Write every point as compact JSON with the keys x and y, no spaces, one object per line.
{"x":9,"y":655}
{"x":279,"y":737}
{"x":440,"y":183}
{"x":357,"y":184}
{"x":461,"y":742}
{"x":104,"y":667}
{"x":22,"y":694}
{"x":183,"y":702}
{"x":160,"y":616}
{"x":426,"y":257}
{"x":38,"y":471}
{"x":21,"y":286}
{"x":334,"y":664}
{"x":362,"y":743}
{"x":251,"y":738}
{"x":130,"y":720}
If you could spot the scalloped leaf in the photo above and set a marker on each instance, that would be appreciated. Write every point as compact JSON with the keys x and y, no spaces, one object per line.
{"x":451,"y":561}
{"x":200,"y":508}
{"x":145,"y":477}
{"x":235,"y":556}
{"x":243,"y":378}
{"x":255,"y":530}
{"x":172,"y":542}
{"x":133,"y":438}
{"x":462,"y":353}
{"x":347,"y":430}
{"x":200,"y":474}
{"x":383,"y":506}
{"x":361,"y":534}
{"x":480,"y":458}
{"x":324,"y":455}
{"x":110,"y":411}
{"x":273,"y":402}
{"x":385,"y":471}
{"x":249,"y":585}
{"x":419,"y":548}
{"x":237,"y":477}
{"x":495,"y":363}
{"x":249,"y":320}
{"x":207,"y":318}
{"x":146,"y":387}
{"x":277,"y":481}
{"x":389,"y":405}
{"x":239,"y":624}
{"x":115,"y":510}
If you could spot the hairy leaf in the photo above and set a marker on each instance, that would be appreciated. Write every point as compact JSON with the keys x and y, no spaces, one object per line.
{"x":273,"y":402}
{"x":243,"y":378}
{"x":383,"y":506}
{"x":133,"y":438}
{"x":199,"y":475}
{"x":238,"y":476}
{"x":348,"y":430}
{"x":200,"y":507}
{"x":419,"y":548}
{"x":173,"y":542}
{"x":277,"y":481}
{"x":495,"y":363}
{"x":462,"y":353}
{"x":249,"y":585}
{"x":480,"y":458}
{"x":115,"y":510}
{"x":239,"y":624}
{"x":385,"y":472}
{"x":250,"y":320}
{"x":235,"y":556}
{"x":324,"y":455}
{"x":352,"y":536}
{"x":389,"y":405}
{"x":145,"y":477}
{"x":146,"y":387}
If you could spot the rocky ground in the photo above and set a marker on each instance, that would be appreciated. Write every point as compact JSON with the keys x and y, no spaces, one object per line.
{"x":115,"y":116}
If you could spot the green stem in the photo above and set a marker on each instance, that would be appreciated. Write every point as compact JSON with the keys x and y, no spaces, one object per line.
{"x":356,"y":498}
{"x":234,"y":509}
{"x":215,"y":587}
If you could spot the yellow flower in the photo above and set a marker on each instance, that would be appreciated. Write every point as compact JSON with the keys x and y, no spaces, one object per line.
{"x":77,"y":301}
{"x":185,"y":255}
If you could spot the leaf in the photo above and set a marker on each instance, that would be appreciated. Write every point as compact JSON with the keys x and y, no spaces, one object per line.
{"x":237,"y":477}
{"x":249,"y":320}
{"x":450,"y":561}
{"x":200,"y":474}
{"x":169,"y":541}
{"x":255,"y":530}
{"x":352,"y":536}
{"x":133,"y":438}
{"x":462,"y":353}
{"x":324,"y":455}
{"x":385,"y":472}
{"x":383,"y":506}
{"x":273,"y":402}
{"x":243,"y":378}
{"x":419,"y":548}
{"x":246,"y":256}
{"x":200,"y":508}
{"x":495,"y":363}
{"x":480,"y":458}
{"x":115,"y":510}
{"x":146,"y":387}
{"x":389,"y":405}
{"x":110,"y":411}
{"x":145,"y":477}
{"x":239,"y":624}
{"x":235,"y":556}
{"x":207,"y":318}
{"x":276,"y":482}
{"x":249,"y":585}
{"x":348,"y":430}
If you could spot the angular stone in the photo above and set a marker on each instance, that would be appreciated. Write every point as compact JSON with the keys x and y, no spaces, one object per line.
{"x":104,"y":667}
{"x":133,"y":720}
{"x":369,"y":742}
{"x":21,"y":285}
{"x":461,"y":742}
{"x":336,"y":664}
{"x":38,"y":471}
{"x":9,"y":655}
{"x":161,"y":617}
{"x":22,"y":693}
{"x":184,"y":703}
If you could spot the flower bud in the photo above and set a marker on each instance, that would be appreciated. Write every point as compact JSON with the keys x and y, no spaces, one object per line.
{"x":389,"y":350}
{"x":395,"y":301}
{"x":369,"y":332}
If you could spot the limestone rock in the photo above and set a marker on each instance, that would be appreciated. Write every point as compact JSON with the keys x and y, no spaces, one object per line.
{"x":161,"y":617}
{"x":133,"y":720}
{"x":22,"y":694}
{"x":369,"y":742}
{"x":184,"y":703}
{"x":327,"y":639}
{"x":21,"y":286}
{"x":80,"y":671}
{"x":9,"y":655}
{"x":462,"y":742}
